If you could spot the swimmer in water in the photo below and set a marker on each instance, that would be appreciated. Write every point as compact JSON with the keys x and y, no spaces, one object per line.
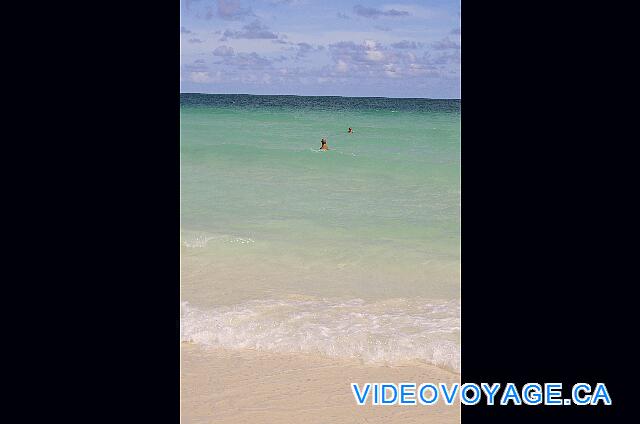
{"x":350,"y":130}
{"x":324,"y":145}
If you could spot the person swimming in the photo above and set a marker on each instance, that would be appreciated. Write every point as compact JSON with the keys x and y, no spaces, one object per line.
{"x":324,"y":145}
{"x":350,"y":131}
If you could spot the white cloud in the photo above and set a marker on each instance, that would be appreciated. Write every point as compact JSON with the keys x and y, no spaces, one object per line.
{"x":342,"y":66}
{"x":390,"y":70}
{"x":372,"y":52}
{"x":375,"y":55}
{"x":370,"y":44}
{"x":200,"y":77}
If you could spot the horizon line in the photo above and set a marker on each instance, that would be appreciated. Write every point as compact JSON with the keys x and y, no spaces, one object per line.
{"x":308,"y":95}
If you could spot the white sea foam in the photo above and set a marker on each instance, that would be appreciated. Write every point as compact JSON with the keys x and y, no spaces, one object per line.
{"x":391,"y":331}
{"x":197,"y":241}
{"x":201,"y":240}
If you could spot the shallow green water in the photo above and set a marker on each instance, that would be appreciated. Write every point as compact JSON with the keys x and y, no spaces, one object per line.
{"x":383,"y":205}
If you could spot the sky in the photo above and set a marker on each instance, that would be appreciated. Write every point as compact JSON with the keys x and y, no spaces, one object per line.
{"x":321,"y":47}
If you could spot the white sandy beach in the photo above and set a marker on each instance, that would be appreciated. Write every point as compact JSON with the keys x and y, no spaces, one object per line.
{"x":247,"y":386}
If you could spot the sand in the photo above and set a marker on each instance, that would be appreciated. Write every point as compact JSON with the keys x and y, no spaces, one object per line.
{"x":238,"y":387}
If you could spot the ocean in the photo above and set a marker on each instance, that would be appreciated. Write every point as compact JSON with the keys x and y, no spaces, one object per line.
{"x":352,"y":252}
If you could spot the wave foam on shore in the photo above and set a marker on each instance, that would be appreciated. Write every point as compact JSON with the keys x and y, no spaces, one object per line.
{"x":390,"y":332}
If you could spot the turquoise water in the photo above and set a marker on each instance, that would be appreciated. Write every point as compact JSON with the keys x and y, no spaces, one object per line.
{"x":266,"y":216}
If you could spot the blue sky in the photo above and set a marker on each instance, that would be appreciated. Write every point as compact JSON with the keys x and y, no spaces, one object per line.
{"x":321,"y":47}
